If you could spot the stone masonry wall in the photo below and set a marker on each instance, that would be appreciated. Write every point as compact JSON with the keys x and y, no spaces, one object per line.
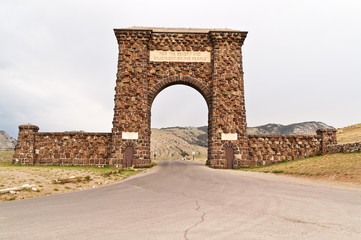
{"x":62,"y":148}
{"x":131,"y":112}
{"x":343,"y":148}
{"x":24,"y":149}
{"x":228,"y":113}
{"x":328,"y":136}
{"x":268,"y":149}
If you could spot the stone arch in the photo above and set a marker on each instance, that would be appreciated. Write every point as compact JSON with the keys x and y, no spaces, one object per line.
{"x":184,"y":80}
{"x":207,"y":60}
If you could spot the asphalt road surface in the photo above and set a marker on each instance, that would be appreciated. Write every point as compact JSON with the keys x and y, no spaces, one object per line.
{"x":187,"y":200}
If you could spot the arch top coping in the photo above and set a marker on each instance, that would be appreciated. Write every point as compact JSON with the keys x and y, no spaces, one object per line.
{"x":179,"y":30}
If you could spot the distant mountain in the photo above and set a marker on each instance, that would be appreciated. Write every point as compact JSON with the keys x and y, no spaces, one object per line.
{"x":291,"y":129}
{"x":6,"y":141}
{"x":177,"y":142}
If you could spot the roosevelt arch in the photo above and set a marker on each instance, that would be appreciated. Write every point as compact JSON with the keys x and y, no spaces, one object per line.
{"x":208,"y":60}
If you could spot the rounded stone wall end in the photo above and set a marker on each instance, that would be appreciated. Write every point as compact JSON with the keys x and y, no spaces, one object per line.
{"x":29,"y":127}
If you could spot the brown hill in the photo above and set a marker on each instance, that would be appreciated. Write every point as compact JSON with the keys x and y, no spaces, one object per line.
{"x":179,"y":142}
{"x":349,"y":134}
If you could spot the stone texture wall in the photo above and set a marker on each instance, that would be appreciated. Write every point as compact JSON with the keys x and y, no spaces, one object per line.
{"x":328,"y":136}
{"x":61,"y":148}
{"x":267,"y":149}
{"x":24,"y":149}
{"x":131,"y":113}
{"x":343,"y":148}
{"x":228,"y":113}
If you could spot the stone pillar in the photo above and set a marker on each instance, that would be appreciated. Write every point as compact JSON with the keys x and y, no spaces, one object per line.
{"x":131,"y":122}
{"x":328,"y":137}
{"x":25,"y":145}
{"x":227,"y":113}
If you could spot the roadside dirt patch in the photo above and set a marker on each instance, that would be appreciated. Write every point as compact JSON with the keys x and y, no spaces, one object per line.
{"x":45,"y":177}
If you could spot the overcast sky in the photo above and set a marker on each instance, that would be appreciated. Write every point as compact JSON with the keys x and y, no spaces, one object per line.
{"x":58,"y":60}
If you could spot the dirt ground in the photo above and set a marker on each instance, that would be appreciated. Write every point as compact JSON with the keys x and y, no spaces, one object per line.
{"x":49,"y":179}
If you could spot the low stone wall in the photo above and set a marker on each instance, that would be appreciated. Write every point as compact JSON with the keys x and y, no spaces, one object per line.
{"x":267,"y":149}
{"x":343,"y":148}
{"x":94,"y":149}
{"x":61,"y":148}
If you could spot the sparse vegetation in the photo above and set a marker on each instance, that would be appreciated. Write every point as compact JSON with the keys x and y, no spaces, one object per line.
{"x":349,"y":134}
{"x":344,"y":167}
{"x":6,"y":156}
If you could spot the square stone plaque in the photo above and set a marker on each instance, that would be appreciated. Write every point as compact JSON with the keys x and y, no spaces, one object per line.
{"x":229,"y":136}
{"x":130,"y":135}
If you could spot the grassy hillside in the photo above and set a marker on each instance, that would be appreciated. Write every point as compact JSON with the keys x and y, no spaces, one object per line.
{"x":175,"y":143}
{"x":349,"y":134}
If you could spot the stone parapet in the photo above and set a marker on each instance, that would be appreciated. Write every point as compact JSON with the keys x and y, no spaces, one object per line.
{"x":268,"y":149}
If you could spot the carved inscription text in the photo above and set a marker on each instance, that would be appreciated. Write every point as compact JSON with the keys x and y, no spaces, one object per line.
{"x":179,"y":56}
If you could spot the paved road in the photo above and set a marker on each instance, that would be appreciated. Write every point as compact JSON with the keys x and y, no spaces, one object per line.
{"x":186,"y":200}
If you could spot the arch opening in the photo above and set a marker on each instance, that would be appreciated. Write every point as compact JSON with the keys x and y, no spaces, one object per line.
{"x":179,"y":123}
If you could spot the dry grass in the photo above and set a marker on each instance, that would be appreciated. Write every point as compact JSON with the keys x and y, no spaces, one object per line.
{"x":6,"y":156}
{"x":342,"y":167}
{"x":43,"y":176}
{"x":349,"y":134}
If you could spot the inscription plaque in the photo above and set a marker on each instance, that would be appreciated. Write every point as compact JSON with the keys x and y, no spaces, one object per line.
{"x":179,"y":56}
{"x":229,"y":136}
{"x":130,"y":135}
